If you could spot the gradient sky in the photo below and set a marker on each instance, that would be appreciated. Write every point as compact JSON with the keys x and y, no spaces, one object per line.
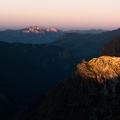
{"x":64,"y":14}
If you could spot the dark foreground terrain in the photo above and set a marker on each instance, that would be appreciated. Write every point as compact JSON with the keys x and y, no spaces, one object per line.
{"x":93,"y":93}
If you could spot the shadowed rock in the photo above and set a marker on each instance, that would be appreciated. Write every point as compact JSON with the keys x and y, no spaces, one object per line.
{"x":111,"y":48}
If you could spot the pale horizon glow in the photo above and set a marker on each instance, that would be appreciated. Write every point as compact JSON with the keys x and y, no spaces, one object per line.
{"x":63,"y":14}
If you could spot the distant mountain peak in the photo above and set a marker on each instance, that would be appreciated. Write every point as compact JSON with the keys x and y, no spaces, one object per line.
{"x":39,"y":29}
{"x":100,"y":69}
{"x":53,"y":29}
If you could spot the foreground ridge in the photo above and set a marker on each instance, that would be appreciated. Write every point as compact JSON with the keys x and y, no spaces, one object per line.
{"x":93,"y":93}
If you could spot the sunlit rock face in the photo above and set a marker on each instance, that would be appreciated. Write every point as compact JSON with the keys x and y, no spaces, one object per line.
{"x":100,"y":69}
{"x":93,"y":93}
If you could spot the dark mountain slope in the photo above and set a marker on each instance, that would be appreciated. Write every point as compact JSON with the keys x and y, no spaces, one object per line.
{"x":87,"y":45}
{"x":6,"y":106}
{"x":28,"y":71}
{"x":10,"y":105}
{"x":111,"y":48}
{"x":93,"y":93}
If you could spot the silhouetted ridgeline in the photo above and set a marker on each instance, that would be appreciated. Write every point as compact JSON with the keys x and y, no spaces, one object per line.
{"x":91,"y":31}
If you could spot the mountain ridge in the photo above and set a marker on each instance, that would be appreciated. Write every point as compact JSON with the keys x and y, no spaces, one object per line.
{"x":32,"y":34}
{"x":81,"y":98}
{"x":89,"y":31}
{"x":85,"y":45}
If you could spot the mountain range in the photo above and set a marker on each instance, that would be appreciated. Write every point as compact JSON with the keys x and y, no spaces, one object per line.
{"x":32,"y":34}
{"x":85,"y":45}
{"x":39,"y":34}
{"x":28,"y":71}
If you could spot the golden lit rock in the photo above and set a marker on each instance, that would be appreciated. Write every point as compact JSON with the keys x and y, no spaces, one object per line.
{"x":100,"y":69}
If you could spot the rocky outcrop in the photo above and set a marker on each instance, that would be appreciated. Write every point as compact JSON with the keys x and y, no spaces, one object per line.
{"x":93,"y":93}
{"x":100,"y":69}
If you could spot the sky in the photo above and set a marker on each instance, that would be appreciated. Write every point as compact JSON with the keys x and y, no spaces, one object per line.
{"x":63,"y":14}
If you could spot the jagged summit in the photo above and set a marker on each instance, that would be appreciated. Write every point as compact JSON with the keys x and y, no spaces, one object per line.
{"x":39,"y":29}
{"x":100,"y":69}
